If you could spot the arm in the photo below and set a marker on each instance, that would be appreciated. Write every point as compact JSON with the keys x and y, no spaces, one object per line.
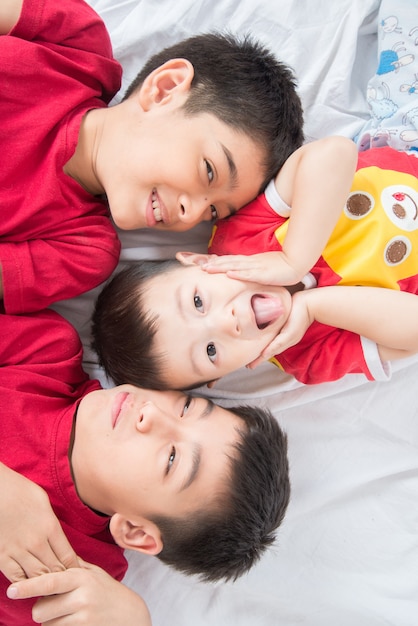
{"x":88,"y":594}
{"x":29,"y":548}
{"x":9,"y":14}
{"x":57,"y":269}
{"x":315,"y":181}
{"x":385,"y":316}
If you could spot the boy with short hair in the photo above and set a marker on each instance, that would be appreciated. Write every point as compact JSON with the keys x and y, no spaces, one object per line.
{"x":200,"y":132}
{"x":163,"y":473}
{"x":213,"y":323}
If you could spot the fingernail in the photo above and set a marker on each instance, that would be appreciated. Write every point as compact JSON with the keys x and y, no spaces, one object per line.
{"x":11,"y":592}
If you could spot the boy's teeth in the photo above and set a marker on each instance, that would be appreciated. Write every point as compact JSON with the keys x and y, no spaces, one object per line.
{"x":156,"y":208}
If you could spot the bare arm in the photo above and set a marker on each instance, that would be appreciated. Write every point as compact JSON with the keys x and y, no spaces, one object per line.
{"x":315,"y":181}
{"x":385,"y":316}
{"x":86,"y":596}
{"x":9,"y":14}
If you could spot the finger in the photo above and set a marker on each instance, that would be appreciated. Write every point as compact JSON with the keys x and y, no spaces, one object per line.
{"x":286,"y":341}
{"x":253,"y":364}
{"x":13,"y":571}
{"x":63,"y":553}
{"x":43,"y":561}
{"x":44,"y":585}
{"x":28,"y":565}
{"x":53,"y":610}
{"x":248,"y":275}
{"x":90,"y":566}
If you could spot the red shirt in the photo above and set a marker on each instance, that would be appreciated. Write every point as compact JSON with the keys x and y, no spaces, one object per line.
{"x":375,"y":243}
{"x":41,"y":384}
{"x":56,"y":240}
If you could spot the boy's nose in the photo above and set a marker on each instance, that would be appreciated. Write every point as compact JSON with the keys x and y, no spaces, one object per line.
{"x":192,"y":211}
{"x":153,"y":419}
{"x":148,"y":417}
{"x":227,"y":322}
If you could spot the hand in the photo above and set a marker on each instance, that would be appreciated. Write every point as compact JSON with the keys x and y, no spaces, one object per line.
{"x":267,"y":268}
{"x":84,"y":596}
{"x":297,"y":324}
{"x":32,"y":541}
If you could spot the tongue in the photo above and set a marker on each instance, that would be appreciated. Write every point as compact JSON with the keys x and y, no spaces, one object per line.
{"x":266,"y":309}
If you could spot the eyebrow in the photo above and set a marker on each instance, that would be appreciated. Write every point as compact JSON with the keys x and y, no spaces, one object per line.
{"x":197,"y":450}
{"x":233,"y":172}
{"x":233,"y":175}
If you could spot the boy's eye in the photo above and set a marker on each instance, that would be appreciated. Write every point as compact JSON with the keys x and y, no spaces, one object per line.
{"x":209,"y":170}
{"x":198,"y":303}
{"x":213,"y":213}
{"x":211,"y":351}
{"x":186,"y":405}
{"x":171,"y":459}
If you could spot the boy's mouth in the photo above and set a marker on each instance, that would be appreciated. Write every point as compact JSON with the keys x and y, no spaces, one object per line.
{"x":266,"y":309}
{"x":156,"y":208}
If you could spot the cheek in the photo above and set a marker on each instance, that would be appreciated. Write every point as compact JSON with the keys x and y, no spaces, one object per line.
{"x":241,"y":353}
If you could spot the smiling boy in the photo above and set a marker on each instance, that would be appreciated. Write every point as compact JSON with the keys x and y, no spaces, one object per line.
{"x":213,"y":324}
{"x":200,"y":132}
{"x":158,"y":472}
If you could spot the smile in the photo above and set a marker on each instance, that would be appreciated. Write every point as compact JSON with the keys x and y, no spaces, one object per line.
{"x":156,"y":206}
{"x":118,"y":403}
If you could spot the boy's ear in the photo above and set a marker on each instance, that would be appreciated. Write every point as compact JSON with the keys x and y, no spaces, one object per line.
{"x":192,"y":258}
{"x":142,"y":536}
{"x":169,"y":81}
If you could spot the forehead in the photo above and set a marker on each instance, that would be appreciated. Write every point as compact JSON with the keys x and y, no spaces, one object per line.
{"x":164,"y":294}
{"x":220,"y":433}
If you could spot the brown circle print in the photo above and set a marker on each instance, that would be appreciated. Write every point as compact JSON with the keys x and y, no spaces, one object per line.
{"x":399,"y":211}
{"x":396,"y":251}
{"x":358,"y":204}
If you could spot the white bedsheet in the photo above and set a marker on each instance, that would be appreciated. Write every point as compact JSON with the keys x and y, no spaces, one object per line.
{"x":347,"y":553}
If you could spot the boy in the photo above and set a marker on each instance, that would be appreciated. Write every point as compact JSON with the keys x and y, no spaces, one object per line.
{"x":201,"y":130}
{"x":214,"y":324}
{"x":161,"y":473}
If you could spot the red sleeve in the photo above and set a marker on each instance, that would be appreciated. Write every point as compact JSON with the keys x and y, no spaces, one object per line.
{"x":249,"y":231}
{"x":37,"y":273}
{"x":324,"y":354}
{"x":42,"y":341}
{"x":71,"y":29}
{"x":72,"y":23}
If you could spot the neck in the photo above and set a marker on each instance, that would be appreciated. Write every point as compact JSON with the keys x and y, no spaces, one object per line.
{"x":81,"y":166}
{"x":83,"y":491}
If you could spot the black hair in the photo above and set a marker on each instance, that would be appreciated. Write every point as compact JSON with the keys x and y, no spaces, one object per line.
{"x":243,"y":84}
{"x":123,"y":330}
{"x":225,"y":540}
